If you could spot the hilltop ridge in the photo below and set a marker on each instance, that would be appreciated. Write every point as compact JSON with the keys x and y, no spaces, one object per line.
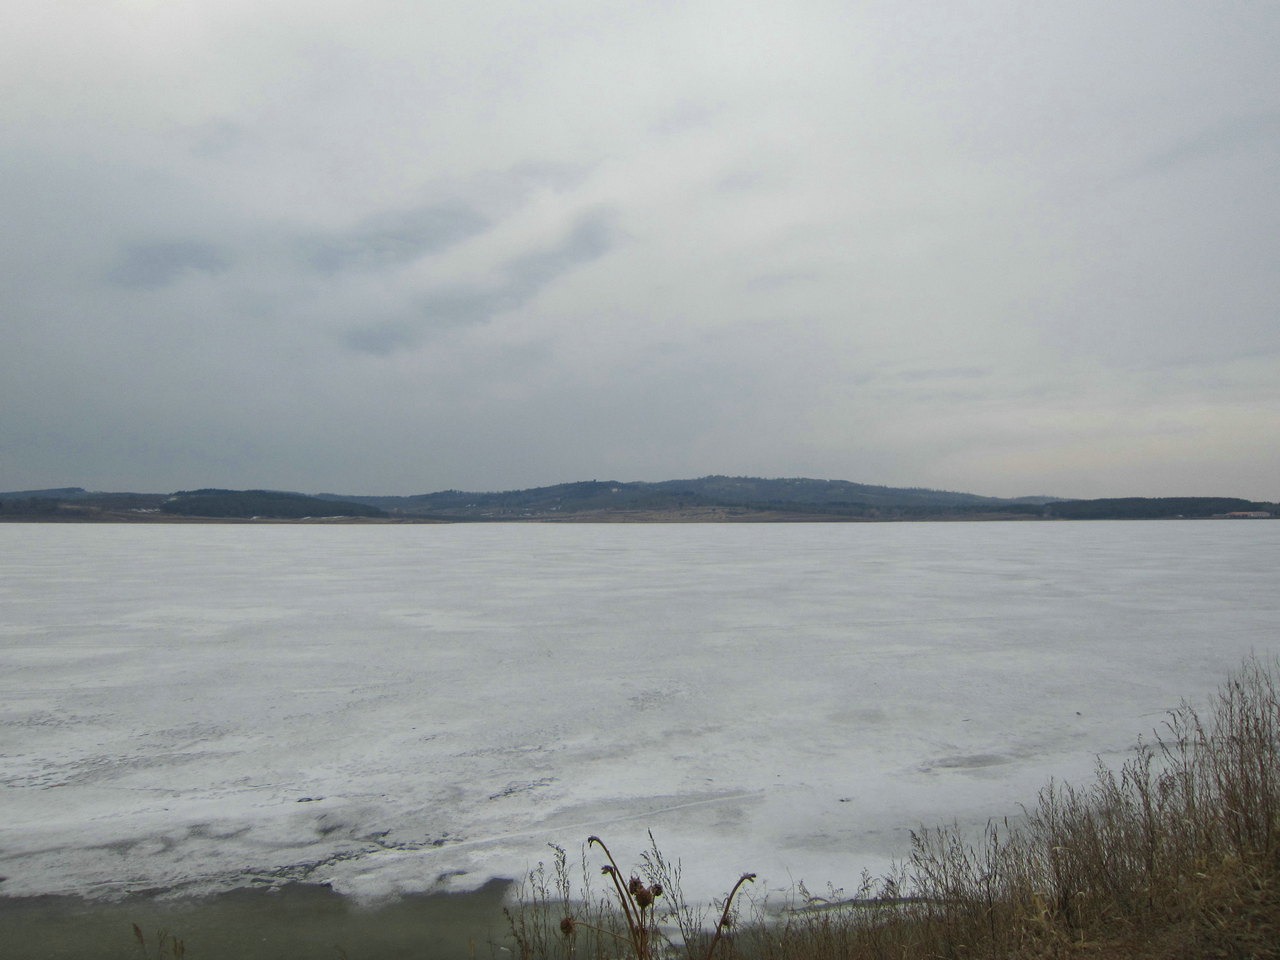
{"x":704,"y":499}
{"x":698,"y":497}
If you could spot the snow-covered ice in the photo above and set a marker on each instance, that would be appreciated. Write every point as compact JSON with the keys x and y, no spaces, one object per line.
{"x":397,"y":708}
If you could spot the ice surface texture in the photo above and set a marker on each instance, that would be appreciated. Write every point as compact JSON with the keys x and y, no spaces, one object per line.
{"x":405,"y":707}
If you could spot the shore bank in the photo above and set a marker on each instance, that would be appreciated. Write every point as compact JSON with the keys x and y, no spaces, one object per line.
{"x":292,"y":921}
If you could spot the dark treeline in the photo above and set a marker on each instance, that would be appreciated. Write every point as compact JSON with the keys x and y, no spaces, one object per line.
{"x":723,"y":497}
{"x":216,"y":504}
{"x":29,"y":506}
{"x":1153,"y":508}
{"x":831,"y":498}
{"x":261,"y":503}
{"x":905,"y":511}
{"x":800,"y":494}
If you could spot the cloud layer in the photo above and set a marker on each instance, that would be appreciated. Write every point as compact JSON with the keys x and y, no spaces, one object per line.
{"x":394,"y":247}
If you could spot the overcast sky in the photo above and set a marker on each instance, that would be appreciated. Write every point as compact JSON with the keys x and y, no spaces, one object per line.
{"x":394,"y":247}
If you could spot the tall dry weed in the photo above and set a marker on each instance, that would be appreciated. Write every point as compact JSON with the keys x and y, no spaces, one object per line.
{"x":646,"y":917}
{"x":1176,"y":854}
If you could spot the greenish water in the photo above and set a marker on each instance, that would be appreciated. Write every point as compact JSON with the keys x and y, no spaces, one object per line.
{"x":293,"y":922}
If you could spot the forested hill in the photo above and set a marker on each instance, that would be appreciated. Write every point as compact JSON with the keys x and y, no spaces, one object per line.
{"x":743,"y":497}
{"x":706,"y":498}
{"x":77,"y":504}
{"x":691,"y":498}
{"x":272,"y":504}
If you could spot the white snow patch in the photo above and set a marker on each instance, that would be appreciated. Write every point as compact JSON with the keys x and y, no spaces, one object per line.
{"x":403,"y":708}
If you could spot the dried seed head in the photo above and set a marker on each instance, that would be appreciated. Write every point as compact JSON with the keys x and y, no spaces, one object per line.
{"x":607,"y":870}
{"x":567,"y":925}
{"x":656,"y":889}
{"x":635,"y":886}
{"x":644,"y":897}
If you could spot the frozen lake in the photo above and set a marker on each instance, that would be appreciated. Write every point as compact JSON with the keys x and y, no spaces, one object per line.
{"x":404,"y":708}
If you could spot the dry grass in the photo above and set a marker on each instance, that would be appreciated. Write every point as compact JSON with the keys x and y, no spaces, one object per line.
{"x":643,"y":918}
{"x":1176,"y":855}
{"x":165,"y":945}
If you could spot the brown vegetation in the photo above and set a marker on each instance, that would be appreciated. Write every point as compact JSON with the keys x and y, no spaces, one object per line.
{"x":1176,"y":855}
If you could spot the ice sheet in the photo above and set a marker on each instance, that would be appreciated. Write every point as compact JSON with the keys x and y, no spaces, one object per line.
{"x":401,"y":708}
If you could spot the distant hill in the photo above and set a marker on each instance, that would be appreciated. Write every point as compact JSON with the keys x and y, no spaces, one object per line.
{"x":61,"y":493}
{"x":262,"y":503}
{"x":77,"y":504}
{"x":702,"y":499}
{"x":798,"y":495}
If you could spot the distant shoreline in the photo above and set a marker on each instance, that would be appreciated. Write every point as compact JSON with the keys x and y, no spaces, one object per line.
{"x":712,"y":499}
{"x":603,"y":517}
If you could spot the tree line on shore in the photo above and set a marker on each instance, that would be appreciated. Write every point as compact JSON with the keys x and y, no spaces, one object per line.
{"x":205,"y":503}
{"x":738,"y":497}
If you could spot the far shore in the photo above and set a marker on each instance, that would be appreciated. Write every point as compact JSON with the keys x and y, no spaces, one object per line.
{"x":698,"y":515}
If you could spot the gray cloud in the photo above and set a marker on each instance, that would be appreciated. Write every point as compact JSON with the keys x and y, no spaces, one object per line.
{"x":591,"y":237}
{"x":379,"y":339}
{"x":158,"y":264}
{"x":1230,"y":134}
{"x":260,"y":246}
{"x":523,"y":278}
{"x":391,"y":239}
{"x":950,"y":373}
